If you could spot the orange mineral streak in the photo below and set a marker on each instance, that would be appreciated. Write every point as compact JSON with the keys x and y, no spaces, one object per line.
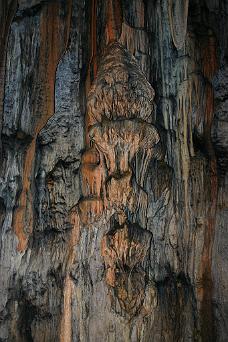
{"x":92,"y":67}
{"x":54,"y":35}
{"x":209,"y":57}
{"x":90,"y":208}
{"x":75,"y":235}
{"x":207,"y":318}
{"x":93,"y":173}
{"x":24,"y":211}
{"x":66,"y":321}
{"x":94,"y":38}
{"x":54,"y":39}
{"x":91,"y":180}
{"x":91,"y":169}
{"x":206,"y":291}
{"x":114,"y":20}
{"x":208,"y":113}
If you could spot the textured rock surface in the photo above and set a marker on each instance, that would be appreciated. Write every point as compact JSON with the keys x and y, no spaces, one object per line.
{"x":113,"y":174}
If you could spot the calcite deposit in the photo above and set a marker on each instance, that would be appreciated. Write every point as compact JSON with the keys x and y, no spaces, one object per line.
{"x":113,"y":170}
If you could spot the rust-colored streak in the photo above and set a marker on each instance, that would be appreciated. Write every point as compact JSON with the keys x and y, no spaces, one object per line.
{"x":113,"y":31}
{"x":209,"y":57}
{"x":94,"y":37}
{"x":49,"y":56}
{"x":54,"y":33}
{"x":92,"y":67}
{"x":114,"y":20}
{"x":54,"y":38}
{"x":208,"y":119}
{"x":207,"y":317}
{"x":7,"y":11}
{"x":90,"y":158}
{"x":66,"y":324}
{"x":92,"y":173}
{"x":65,"y":330}
{"x":24,"y":211}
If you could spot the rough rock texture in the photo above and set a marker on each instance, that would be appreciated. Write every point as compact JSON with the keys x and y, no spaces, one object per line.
{"x":113,"y":170}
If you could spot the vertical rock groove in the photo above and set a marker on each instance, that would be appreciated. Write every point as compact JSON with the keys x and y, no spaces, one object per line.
{"x":7,"y":12}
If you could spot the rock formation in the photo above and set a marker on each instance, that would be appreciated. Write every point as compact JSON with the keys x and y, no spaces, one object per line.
{"x":113,"y":170}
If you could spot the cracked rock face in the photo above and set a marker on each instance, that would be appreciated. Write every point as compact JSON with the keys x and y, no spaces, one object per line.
{"x":113,"y":170}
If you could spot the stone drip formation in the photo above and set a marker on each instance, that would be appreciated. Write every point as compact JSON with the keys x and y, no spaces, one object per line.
{"x":122,"y":141}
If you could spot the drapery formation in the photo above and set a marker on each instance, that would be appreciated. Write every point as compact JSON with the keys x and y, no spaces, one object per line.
{"x":113,"y":180}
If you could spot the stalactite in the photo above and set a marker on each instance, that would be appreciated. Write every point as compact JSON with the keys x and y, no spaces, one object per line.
{"x":178,"y":17}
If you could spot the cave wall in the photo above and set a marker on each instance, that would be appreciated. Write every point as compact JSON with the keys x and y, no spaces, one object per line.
{"x":113,"y":174}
